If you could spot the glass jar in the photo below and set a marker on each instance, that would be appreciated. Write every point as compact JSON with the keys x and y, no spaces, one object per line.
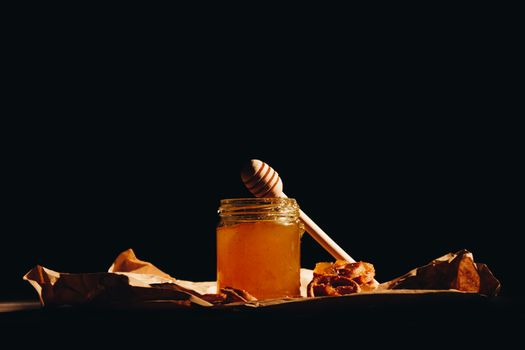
{"x":258,"y":246}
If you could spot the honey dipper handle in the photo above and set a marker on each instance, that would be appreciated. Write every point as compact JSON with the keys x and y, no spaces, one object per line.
{"x":323,"y":239}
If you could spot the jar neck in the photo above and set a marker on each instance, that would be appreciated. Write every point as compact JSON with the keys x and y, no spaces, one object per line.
{"x":236,"y":210}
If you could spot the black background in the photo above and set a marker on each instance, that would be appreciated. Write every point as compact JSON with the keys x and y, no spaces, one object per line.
{"x":398,"y":142}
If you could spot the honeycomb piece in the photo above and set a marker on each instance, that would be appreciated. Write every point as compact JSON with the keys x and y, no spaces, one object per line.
{"x":341,"y":278}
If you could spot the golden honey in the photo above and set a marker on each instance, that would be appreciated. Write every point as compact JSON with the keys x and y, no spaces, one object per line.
{"x":258,"y":246}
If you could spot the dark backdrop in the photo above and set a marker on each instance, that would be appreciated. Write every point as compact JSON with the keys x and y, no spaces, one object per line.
{"x":401,"y":149}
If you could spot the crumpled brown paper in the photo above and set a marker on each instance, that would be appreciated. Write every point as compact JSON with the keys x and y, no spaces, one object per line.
{"x":128,"y":262}
{"x":132,"y":282}
{"x":129,"y":281}
{"x":456,"y":271}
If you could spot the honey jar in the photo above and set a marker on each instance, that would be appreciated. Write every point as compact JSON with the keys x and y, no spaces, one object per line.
{"x":258,"y":246}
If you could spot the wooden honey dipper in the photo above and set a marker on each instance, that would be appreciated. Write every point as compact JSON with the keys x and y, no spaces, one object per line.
{"x":262,"y":181}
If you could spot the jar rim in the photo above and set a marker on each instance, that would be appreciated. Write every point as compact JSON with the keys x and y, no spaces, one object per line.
{"x":253,"y":200}
{"x":256,"y":209}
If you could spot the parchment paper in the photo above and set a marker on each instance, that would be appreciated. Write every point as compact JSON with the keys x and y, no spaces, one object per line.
{"x":131,"y":282}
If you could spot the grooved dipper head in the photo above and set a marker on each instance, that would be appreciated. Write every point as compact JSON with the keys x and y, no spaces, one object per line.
{"x":261,"y":180}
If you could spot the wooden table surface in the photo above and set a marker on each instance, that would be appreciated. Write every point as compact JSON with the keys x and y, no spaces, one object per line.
{"x":24,"y":305}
